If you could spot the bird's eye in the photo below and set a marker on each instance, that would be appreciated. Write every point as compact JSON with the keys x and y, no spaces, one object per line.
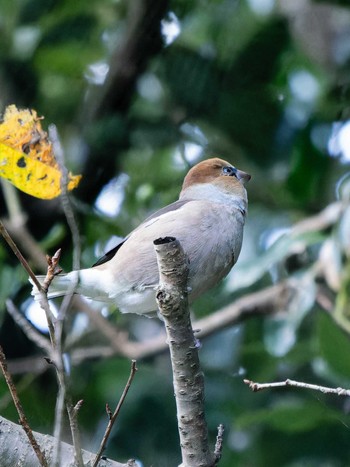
{"x":230,"y":171}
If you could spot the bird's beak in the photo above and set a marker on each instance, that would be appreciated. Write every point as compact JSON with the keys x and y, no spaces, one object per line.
{"x":243,"y":176}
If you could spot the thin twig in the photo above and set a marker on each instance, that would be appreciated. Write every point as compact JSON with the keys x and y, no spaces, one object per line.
{"x":52,"y":269}
{"x":73,"y":423}
{"x":255,"y":387}
{"x":65,"y":200}
{"x":57,"y":433}
{"x":72,"y":223}
{"x":64,"y":400}
{"x":22,"y":418}
{"x":113,"y":418}
{"x":77,"y":407}
{"x":56,"y":341}
{"x":43,"y":301}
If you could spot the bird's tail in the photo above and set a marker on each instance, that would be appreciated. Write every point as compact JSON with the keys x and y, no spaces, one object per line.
{"x":62,"y":284}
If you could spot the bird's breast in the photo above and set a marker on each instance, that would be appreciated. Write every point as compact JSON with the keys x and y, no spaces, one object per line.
{"x":213,"y":253}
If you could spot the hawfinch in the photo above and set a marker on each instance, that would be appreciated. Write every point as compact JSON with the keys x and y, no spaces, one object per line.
{"x":207,"y":219}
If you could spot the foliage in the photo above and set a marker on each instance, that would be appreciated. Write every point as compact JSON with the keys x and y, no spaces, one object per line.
{"x":26,"y":155}
{"x":238,"y":81}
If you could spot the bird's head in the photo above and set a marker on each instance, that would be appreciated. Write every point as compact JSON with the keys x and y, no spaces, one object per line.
{"x":214,"y":176}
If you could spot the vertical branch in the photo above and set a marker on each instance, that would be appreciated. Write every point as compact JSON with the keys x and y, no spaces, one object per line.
{"x":65,"y":200}
{"x":188,"y":378}
{"x":57,"y":432}
{"x":72,"y":223}
{"x":113,"y":417}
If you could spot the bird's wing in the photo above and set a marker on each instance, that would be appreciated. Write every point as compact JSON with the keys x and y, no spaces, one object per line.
{"x":171,"y":207}
{"x":111,"y":253}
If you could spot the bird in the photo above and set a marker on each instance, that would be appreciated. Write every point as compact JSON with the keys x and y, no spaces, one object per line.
{"x":207,"y":220}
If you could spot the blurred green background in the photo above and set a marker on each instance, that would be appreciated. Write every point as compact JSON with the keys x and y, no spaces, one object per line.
{"x":140,"y":90}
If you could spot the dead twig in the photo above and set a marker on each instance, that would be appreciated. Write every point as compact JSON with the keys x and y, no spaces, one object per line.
{"x":52,"y":269}
{"x":43,"y":301}
{"x":255,"y":387}
{"x":113,"y":417}
{"x":22,"y":418}
{"x":73,"y":423}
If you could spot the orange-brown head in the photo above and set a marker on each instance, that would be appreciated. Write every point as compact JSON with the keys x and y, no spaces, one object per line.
{"x":218,"y":173}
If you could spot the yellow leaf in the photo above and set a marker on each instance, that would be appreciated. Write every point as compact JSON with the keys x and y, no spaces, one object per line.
{"x":26,"y":155}
{"x":31,"y":176}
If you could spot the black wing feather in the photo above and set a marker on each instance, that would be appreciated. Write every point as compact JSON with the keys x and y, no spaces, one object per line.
{"x":111,"y":253}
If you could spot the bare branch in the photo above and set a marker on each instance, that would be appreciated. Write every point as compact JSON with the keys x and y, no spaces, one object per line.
{"x":57,"y":433}
{"x":73,"y":423}
{"x":63,"y":399}
{"x":255,"y":387}
{"x":188,"y":379}
{"x":44,"y":303}
{"x":113,"y":417}
{"x":65,"y":199}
